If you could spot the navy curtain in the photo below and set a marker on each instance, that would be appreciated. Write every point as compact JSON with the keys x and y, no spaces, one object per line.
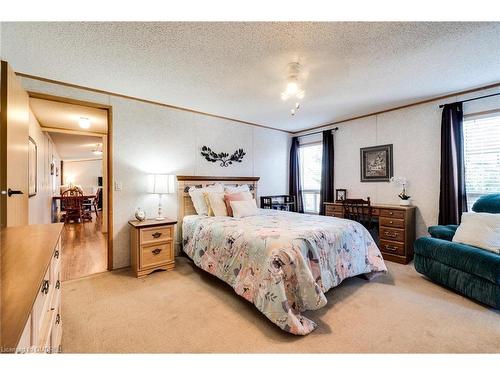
{"x":326,"y":193}
{"x":294,"y":183}
{"x":452,"y":196}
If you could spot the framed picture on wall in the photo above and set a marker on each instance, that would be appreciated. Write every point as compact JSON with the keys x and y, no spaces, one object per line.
{"x":32,"y":167}
{"x":376,"y":163}
{"x":340,"y":195}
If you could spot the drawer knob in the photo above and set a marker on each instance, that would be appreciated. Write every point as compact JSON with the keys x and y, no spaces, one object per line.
{"x":156,"y":234}
{"x":58,"y":318}
{"x":390,"y":212}
{"x":156,"y":251}
{"x":56,"y":254}
{"x":45,"y":287}
{"x":58,"y":284}
{"x":391,"y":222}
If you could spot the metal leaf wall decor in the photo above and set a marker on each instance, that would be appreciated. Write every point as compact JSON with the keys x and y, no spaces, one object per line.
{"x":224,"y":158}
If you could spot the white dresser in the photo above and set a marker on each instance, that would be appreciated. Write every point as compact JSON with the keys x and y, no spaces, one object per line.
{"x":31,"y":289}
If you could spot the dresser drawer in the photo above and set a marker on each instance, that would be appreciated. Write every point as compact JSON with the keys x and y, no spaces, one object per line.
{"x":55,"y":266}
{"x":42,"y":305}
{"x":390,"y":222}
{"x":392,"y":234}
{"x":153,"y":255}
{"x":397,"y":214}
{"x":56,"y":333}
{"x":392,"y":247}
{"x":156,"y":234}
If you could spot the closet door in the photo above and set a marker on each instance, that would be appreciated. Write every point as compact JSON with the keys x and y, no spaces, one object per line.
{"x":14,"y":127}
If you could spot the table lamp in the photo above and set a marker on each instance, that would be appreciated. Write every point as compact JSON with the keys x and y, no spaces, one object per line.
{"x":161,"y":184}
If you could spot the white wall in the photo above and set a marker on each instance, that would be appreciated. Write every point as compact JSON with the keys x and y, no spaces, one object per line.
{"x":152,"y":139}
{"x":83,"y":173}
{"x":47,"y":184}
{"x":415,"y":134}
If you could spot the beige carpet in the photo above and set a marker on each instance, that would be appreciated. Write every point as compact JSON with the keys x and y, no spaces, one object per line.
{"x":187,"y":310}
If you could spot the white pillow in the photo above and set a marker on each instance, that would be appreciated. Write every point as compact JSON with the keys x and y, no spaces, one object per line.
{"x":216,"y":204}
{"x":196,"y":194}
{"x":479,"y":229}
{"x":236,"y":189}
{"x":244,"y":208}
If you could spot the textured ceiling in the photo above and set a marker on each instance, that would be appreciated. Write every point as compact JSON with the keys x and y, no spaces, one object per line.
{"x":66,"y":116}
{"x":238,"y":69}
{"x":71,"y":146}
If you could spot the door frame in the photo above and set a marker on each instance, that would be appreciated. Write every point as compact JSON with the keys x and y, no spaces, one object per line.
{"x":109,"y":150}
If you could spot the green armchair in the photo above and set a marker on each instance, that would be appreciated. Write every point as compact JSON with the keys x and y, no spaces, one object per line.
{"x":469,"y":270}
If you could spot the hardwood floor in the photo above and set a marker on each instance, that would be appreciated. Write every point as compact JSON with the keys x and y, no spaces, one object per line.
{"x":84,"y":249}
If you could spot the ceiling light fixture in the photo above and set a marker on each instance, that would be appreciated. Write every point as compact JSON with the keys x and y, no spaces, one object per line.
{"x":98,"y":149}
{"x":293,"y":89}
{"x":84,"y":122}
{"x":294,"y":110}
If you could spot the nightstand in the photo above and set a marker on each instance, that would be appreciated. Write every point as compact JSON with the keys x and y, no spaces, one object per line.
{"x":152,"y":245}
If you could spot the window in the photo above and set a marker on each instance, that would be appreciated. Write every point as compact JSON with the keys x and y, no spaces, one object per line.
{"x":310,"y":156}
{"x":482,"y":156}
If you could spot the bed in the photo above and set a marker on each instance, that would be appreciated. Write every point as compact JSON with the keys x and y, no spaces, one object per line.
{"x":282,"y":262}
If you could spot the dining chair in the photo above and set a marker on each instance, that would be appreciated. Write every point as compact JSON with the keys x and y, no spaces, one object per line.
{"x":72,"y":201}
{"x":94,"y":202}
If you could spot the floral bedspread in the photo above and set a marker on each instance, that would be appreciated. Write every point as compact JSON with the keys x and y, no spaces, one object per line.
{"x":282,"y":262}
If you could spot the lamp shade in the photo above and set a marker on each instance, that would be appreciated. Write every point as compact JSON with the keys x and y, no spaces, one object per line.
{"x":161,"y":183}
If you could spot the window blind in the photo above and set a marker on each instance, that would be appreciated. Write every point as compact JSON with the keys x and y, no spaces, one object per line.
{"x":482,"y":157}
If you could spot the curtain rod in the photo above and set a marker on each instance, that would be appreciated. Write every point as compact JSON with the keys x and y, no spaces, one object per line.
{"x":469,"y":100}
{"x":319,"y":131}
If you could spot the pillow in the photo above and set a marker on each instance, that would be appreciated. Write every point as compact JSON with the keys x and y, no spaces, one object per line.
{"x":198,"y":198}
{"x":479,"y":229}
{"x":216,"y":204}
{"x":242,"y":196}
{"x":244,"y":208}
{"x":236,"y":189}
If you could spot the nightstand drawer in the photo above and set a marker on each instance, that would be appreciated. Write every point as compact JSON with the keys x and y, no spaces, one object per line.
{"x":156,"y":234}
{"x":392,"y":247}
{"x":392,"y":234}
{"x":153,"y":255}
{"x":389,"y":222}
{"x":392,"y":213}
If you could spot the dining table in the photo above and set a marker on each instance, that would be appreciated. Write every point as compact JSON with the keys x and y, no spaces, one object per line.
{"x":56,"y":198}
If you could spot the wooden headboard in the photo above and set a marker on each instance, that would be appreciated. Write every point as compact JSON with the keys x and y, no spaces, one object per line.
{"x":185,"y":182}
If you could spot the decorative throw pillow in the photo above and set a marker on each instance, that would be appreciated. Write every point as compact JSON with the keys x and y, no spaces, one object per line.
{"x":244,"y":208}
{"x":196,"y":194}
{"x":216,"y":204}
{"x":242,"y":196}
{"x":479,"y":229}
{"x":236,"y":189}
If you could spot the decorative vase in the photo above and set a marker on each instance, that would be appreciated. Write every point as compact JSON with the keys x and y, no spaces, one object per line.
{"x":140,"y":214}
{"x":404,"y":202}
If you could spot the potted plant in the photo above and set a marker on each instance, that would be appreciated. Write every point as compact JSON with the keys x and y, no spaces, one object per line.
{"x":404,"y":199}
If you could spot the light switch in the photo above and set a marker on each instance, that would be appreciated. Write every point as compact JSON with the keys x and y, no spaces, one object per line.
{"x":118,"y":186}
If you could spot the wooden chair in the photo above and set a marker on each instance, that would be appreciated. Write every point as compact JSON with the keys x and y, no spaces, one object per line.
{"x":72,"y":201}
{"x":94,"y":203}
{"x":359,"y":210}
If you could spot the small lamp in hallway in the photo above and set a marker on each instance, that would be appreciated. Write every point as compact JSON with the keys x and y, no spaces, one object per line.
{"x":161,"y":184}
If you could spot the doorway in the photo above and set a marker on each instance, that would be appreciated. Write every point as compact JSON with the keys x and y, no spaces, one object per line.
{"x":80,"y":163}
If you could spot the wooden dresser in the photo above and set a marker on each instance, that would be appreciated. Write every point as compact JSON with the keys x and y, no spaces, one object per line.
{"x":152,"y":245}
{"x":31,"y":289}
{"x":396,"y":229}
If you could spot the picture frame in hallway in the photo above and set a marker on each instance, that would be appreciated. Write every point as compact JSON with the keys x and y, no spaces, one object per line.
{"x":32,"y":167}
{"x":376,"y":163}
